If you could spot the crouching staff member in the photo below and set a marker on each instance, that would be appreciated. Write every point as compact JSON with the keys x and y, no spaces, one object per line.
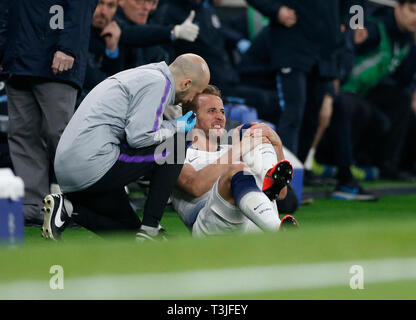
{"x":111,"y":141}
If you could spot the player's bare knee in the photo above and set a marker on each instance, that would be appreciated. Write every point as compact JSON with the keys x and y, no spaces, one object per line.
{"x":234,"y":168}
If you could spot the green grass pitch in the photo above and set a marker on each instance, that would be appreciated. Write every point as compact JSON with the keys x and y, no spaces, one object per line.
{"x":330,"y":232}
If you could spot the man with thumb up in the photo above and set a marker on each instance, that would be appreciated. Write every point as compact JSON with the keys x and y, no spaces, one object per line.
{"x":187,"y":30}
{"x":142,"y":39}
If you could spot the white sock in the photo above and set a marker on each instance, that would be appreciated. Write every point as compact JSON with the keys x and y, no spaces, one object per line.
{"x":260,"y":160}
{"x":258,"y":208}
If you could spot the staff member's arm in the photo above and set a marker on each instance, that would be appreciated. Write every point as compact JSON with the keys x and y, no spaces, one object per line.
{"x":144,"y":125}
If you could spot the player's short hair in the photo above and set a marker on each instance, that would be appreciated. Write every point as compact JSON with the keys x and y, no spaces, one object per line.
{"x":193,"y":105}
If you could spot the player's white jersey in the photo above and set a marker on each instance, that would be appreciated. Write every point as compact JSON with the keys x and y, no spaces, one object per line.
{"x":186,"y":205}
{"x":200,"y":159}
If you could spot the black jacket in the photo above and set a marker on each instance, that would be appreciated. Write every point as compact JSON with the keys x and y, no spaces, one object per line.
{"x":99,"y":65}
{"x":145,"y":35}
{"x":211,"y":42}
{"x":30,"y":42}
{"x":313,"y":40}
{"x":142,"y":43}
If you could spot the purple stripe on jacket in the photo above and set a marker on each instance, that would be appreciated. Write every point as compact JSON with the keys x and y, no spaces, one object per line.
{"x":160,"y":109}
{"x":146,"y":158}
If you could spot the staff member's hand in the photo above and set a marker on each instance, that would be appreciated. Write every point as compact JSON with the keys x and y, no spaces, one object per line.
{"x":287,"y":16}
{"x":111,"y":34}
{"x":186,"y":122}
{"x":61,"y":62}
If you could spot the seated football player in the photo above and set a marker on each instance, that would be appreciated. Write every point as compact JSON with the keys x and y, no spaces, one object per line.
{"x":225,"y":187}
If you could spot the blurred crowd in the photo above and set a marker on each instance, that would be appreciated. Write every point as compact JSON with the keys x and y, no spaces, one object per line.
{"x":335,"y":78}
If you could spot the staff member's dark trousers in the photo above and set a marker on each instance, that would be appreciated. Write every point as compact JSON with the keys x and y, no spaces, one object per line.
{"x":105,"y":207}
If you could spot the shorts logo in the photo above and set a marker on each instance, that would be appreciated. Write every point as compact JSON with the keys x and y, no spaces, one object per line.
{"x":192,"y":160}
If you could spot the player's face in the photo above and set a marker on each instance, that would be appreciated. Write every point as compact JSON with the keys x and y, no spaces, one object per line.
{"x":406,"y":16}
{"x":104,"y":13}
{"x":210,"y":115}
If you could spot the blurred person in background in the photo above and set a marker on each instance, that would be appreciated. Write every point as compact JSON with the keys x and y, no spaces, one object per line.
{"x":371,"y":112}
{"x":125,"y":40}
{"x":44,"y":54}
{"x":105,"y":55}
{"x":213,"y":45}
{"x":142,"y":40}
{"x":299,"y":50}
{"x":380,"y":78}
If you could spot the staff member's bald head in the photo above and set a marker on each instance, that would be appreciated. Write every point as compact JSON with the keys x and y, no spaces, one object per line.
{"x":191,"y":74}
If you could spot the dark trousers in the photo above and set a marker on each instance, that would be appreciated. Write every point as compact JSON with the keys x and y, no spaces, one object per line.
{"x":409,"y":149}
{"x":38,"y":114}
{"x":352,"y":117}
{"x":105,"y":205}
{"x":394,"y":102}
{"x":370,"y":130}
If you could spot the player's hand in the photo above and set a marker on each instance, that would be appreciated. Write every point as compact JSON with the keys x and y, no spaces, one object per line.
{"x":287,"y":16}
{"x":188,"y":30}
{"x":267,"y":134}
{"x":186,"y":122}
{"x":326,"y":112}
{"x":111,"y":34}
{"x":252,"y":136}
{"x":61,"y":62}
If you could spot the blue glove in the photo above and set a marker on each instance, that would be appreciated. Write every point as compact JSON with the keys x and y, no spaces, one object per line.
{"x":186,"y":122}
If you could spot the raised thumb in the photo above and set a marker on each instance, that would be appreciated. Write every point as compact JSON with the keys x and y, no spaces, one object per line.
{"x":191,"y":16}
